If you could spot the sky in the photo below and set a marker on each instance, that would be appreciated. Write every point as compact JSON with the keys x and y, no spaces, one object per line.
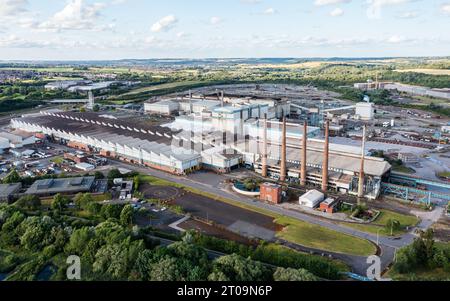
{"x":144,"y":29}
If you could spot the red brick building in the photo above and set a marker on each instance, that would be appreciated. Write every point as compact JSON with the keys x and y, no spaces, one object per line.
{"x":271,"y":193}
{"x":329,"y":205}
{"x":75,"y":158}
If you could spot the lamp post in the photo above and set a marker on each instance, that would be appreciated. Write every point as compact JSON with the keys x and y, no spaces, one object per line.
{"x":378,"y":237}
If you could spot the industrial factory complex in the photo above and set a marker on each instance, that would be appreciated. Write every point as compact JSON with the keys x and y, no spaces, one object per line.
{"x":230,"y":138}
{"x":281,"y":139}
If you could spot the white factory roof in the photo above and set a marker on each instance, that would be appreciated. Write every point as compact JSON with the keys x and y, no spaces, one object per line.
{"x":313,"y":195}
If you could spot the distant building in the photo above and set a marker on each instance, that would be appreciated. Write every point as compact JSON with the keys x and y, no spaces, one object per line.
{"x":164,"y":107}
{"x":77,"y":158}
{"x":408,"y":158}
{"x":17,"y":139}
{"x":271,"y":193}
{"x":9,"y":191}
{"x":64,"y":186}
{"x":85,"y":166}
{"x":311,"y":199}
{"x":365,"y":110}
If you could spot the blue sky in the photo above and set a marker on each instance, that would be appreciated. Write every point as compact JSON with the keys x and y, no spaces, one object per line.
{"x":117,"y":29}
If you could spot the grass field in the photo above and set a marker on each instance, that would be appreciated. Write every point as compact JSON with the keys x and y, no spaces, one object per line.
{"x":295,"y":231}
{"x":427,"y":71}
{"x":159,"y":87}
{"x":318,"y":237}
{"x":378,"y":226}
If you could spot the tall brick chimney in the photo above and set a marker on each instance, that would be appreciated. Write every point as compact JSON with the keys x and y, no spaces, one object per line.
{"x":326,"y":154}
{"x":264,"y":154}
{"x":304,"y":155}
{"x":361,"y":171}
{"x":283,"y":170}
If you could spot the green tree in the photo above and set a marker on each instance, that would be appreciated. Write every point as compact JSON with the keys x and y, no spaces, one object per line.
{"x":237,"y":268}
{"x":60,"y":202}
{"x":31,"y":202}
{"x":79,"y":240}
{"x":82,"y":200}
{"x":136,"y":182}
{"x":282,"y":274}
{"x":114,"y":174}
{"x":126,"y":216}
{"x":12,"y":177}
{"x":99,"y":175}
{"x":111,"y":211}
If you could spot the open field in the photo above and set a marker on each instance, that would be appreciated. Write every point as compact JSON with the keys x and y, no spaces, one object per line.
{"x":322,"y":238}
{"x":378,"y":226}
{"x":427,"y":71}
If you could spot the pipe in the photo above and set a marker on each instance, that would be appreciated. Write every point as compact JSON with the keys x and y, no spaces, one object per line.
{"x":304,"y":155}
{"x":361,"y":171}
{"x":283,"y":170}
{"x":326,"y":157}
{"x":264,"y":158}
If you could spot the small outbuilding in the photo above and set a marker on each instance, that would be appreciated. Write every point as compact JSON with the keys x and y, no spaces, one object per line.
{"x":311,"y":199}
{"x":329,"y":205}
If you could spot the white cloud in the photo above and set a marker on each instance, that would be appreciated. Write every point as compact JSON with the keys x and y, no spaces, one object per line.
{"x":12,"y":7}
{"x":329,"y":2}
{"x":395,"y":39}
{"x":375,"y":7}
{"x":215,"y":20}
{"x":270,"y":11}
{"x":76,"y":15}
{"x":251,"y":1}
{"x":445,"y":8}
{"x":337,"y":12}
{"x":164,"y":24}
{"x":409,"y":15}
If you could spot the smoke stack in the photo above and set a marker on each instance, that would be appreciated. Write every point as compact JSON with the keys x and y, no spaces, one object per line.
{"x":264,"y":158}
{"x":283,"y":170}
{"x":326,"y":155}
{"x":304,"y":155}
{"x":361,"y":171}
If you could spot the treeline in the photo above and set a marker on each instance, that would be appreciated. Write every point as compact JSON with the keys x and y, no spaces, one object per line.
{"x":115,"y":250}
{"x":424,"y":255}
{"x":20,"y":96}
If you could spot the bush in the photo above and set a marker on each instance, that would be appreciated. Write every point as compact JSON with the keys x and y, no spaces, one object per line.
{"x":31,"y":202}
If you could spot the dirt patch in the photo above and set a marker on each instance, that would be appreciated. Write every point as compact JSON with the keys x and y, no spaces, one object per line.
{"x":163,"y":193}
{"x":215,"y":231}
{"x":222,"y":213}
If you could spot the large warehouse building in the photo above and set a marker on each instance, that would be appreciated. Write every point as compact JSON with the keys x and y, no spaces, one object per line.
{"x":153,"y":146}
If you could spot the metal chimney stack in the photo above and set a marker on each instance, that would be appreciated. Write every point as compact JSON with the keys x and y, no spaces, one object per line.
{"x":283,"y":171}
{"x":304,"y":155}
{"x":264,"y":157}
{"x":326,"y":155}
{"x":361,"y":171}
